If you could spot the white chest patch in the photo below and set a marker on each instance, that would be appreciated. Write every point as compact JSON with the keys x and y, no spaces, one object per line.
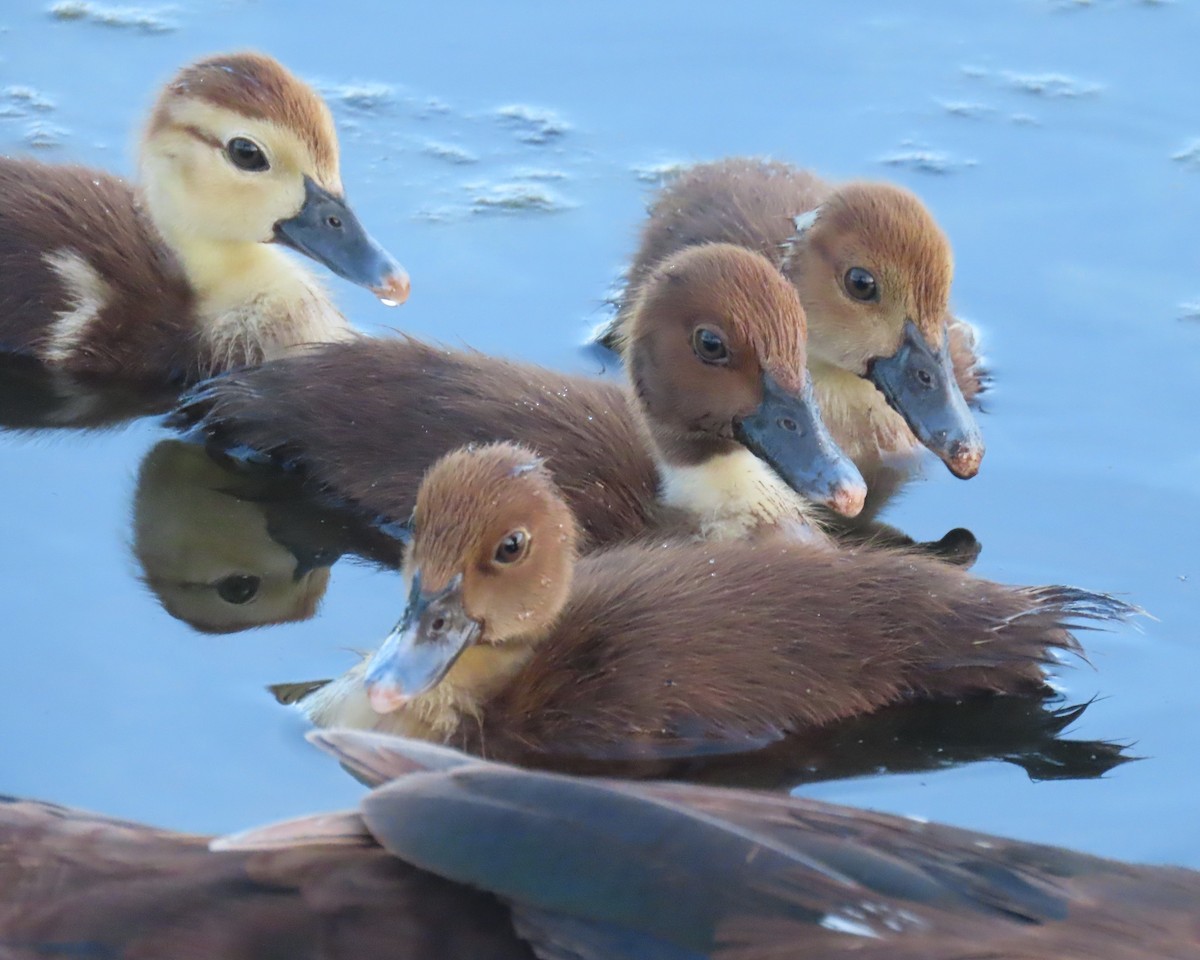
{"x":87,"y":292}
{"x":733,"y":495}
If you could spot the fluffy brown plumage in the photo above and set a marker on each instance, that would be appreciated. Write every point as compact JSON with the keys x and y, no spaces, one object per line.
{"x":366,"y":419}
{"x":670,"y":648}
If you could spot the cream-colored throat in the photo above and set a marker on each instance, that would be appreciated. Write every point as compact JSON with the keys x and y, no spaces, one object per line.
{"x":859,"y":417}
{"x":478,"y":674}
{"x":255,"y":303}
{"x":736,"y":495}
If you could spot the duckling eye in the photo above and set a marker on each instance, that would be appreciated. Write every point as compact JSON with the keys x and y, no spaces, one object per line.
{"x":238,"y":588}
{"x":860,"y":284}
{"x":246,"y":155}
{"x":512,"y":548}
{"x":709,"y":346}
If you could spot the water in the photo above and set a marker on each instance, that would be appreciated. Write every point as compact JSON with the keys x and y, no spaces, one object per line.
{"x":503,"y":154}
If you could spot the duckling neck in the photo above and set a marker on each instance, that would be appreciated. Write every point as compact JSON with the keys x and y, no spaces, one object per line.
{"x":859,"y":418}
{"x":726,"y":492}
{"x":253,"y":303}
{"x":479,"y":674}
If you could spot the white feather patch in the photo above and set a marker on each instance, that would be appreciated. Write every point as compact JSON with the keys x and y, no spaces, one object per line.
{"x":87,"y":292}
{"x":801,"y":223}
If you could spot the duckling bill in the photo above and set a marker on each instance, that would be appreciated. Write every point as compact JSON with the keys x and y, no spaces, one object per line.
{"x":182,"y":276}
{"x":514,"y":645}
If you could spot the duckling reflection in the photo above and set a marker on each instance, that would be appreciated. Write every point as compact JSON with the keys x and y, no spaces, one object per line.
{"x":206,"y":549}
{"x":182,"y":277}
{"x":34,"y":396}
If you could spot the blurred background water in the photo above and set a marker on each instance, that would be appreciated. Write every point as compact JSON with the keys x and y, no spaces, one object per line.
{"x":504,"y":152}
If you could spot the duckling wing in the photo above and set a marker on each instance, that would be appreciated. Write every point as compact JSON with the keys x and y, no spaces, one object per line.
{"x":85,"y":279}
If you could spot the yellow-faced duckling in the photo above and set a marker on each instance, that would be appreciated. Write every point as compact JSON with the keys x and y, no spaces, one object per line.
{"x":514,"y":647}
{"x":182,"y":276}
{"x":719,"y":435}
{"x":873,"y":269}
{"x":458,"y":859}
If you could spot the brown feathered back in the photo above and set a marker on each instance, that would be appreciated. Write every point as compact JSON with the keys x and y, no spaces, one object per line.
{"x":366,"y":419}
{"x":722,"y":646}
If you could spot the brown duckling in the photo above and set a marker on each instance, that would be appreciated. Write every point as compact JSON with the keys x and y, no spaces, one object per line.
{"x":459,"y":859}
{"x":180,"y":277}
{"x":512,"y":647}
{"x":719,"y":434}
{"x":889,"y":363}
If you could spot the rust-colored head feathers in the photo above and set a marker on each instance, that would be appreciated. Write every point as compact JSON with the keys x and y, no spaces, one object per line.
{"x":741,"y":295}
{"x":494,"y":516}
{"x":887,"y":232}
{"x":707,"y":324}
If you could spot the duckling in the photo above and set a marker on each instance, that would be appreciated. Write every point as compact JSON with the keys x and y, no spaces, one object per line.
{"x":182,"y":276}
{"x":721,"y":434}
{"x":513,"y":647}
{"x":436,"y":863}
{"x":889,"y":363}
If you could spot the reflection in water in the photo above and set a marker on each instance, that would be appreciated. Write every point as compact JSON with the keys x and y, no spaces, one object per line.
{"x":914,"y":737}
{"x":206,"y":550}
{"x":34,"y":396}
{"x":229,"y":545}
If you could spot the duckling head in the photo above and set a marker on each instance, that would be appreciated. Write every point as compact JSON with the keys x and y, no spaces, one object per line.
{"x":238,"y":150}
{"x":489,"y":571}
{"x":874,"y":270}
{"x":717,"y":356}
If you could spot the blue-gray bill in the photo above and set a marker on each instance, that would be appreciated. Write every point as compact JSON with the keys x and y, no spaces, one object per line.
{"x":920,"y":385}
{"x":787,"y":432}
{"x":420,"y":651}
{"x":327,"y":230}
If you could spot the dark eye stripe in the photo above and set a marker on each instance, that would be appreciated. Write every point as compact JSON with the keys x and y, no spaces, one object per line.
{"x":200,"y":135}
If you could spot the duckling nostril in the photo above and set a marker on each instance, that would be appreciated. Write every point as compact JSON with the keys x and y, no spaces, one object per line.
{"x":438,"y":624}
{"x":335,"y":222}
{"x":787,"y":423}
